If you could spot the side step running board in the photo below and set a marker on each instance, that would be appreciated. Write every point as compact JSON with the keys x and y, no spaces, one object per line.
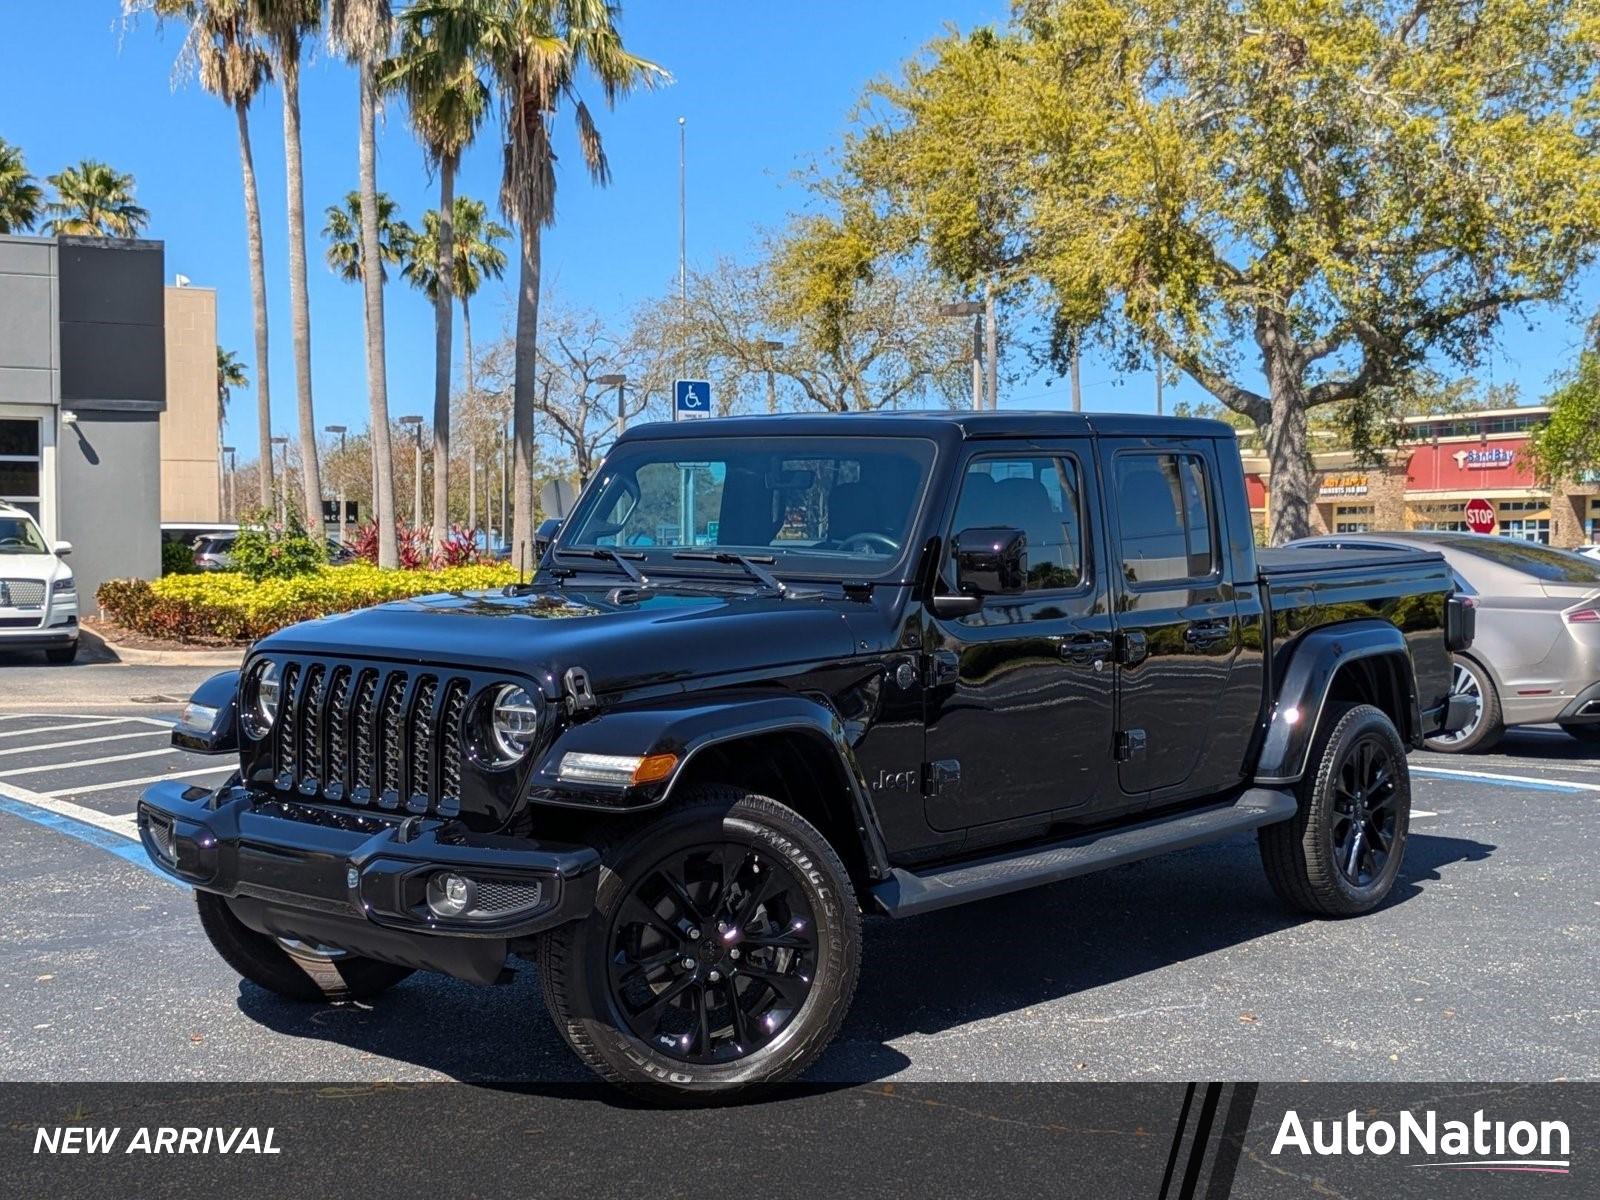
{"x":908,"y":893}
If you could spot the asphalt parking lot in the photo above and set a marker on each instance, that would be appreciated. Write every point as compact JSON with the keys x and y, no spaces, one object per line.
{"x":1480,"y":966}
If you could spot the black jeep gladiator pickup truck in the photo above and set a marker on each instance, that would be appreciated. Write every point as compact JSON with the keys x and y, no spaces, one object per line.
{"x":774,"y":673}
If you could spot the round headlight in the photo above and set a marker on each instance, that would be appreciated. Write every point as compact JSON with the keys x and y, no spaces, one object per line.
{"x":268,"y":692}
{"x":513,"y":721}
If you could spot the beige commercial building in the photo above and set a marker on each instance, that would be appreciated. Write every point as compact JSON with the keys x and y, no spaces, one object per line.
{"x":191,"y":461}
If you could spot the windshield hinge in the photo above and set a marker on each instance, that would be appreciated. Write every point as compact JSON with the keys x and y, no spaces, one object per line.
{"x":580,"y":697}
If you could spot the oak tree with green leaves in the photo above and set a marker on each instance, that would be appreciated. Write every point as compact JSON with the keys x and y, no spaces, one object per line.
{"x":1566,"y":448}
{"x":1296,"y":204}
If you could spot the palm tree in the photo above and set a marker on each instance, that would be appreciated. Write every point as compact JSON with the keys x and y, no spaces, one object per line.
{"x":475,"y":257}
{"x":93,"y":200}
{"x":221,"y":47}
{"x":230,"y":375}
{"x":534,"y":51}
{"x":363,"y":31}
{"x":20,"y":196}
{"x":343,"y":231}
{"x":446,"y":100}
{"x":283,"y":26}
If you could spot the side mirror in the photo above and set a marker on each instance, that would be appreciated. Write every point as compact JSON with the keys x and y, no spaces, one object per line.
{"x":990,"y":561}
{"x":548,"y":529}
{"x":209,"y":724}
{"x":62,"y":549}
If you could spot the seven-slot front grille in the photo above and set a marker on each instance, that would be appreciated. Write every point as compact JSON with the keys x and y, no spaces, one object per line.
{"x":381,"y":736}
{"x":21,"y":593}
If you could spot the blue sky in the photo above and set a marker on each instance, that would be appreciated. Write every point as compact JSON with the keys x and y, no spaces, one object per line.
{"x":765,"y":88}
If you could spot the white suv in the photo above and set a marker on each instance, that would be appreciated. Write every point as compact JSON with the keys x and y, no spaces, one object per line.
{"x":38,"y":598}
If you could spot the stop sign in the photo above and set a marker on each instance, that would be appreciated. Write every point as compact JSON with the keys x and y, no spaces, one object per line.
{"x":1480,"y":516}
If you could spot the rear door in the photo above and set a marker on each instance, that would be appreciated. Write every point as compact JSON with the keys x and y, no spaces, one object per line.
{"x":1020,"y":694}
{"x":1177,"y":622}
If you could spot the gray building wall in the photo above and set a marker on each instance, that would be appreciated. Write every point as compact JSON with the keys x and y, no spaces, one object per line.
{"x":28,"y":340}
{"x":82,"y":348}
{"x":110,"y":510}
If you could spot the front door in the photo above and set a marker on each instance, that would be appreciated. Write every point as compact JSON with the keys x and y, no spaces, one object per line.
{"x":1177,"y":623}
{"x":1020,"y":695}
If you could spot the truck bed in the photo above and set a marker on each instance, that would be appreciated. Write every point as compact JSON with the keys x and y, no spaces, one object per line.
{"x":1292,"y":561}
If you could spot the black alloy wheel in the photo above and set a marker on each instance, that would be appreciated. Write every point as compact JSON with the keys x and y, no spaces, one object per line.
{"x":1342,"y":851}
{"x":713,"y":952}
{"x":1363,"y":817}
{"x":721,"y":953}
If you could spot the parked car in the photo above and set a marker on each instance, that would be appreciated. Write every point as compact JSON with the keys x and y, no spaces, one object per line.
{"x":188,"y":532}
{"x":1536,"y":656}
{"x":38,"y":596}
{"x":863,"y":663}
{"x":214,"y":552}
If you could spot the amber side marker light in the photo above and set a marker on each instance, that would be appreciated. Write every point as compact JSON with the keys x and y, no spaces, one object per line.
{"x":654,"y":767}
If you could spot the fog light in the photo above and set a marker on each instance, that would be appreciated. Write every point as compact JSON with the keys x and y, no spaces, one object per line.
{"x":451,"y":895}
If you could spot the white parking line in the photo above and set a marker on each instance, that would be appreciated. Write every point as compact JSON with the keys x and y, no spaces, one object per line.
{"x":122,"y":783}
{"x":93,"y":741}
{"x":1546,"y":783}
{"x":85,"y":762}
{"x":11,"y":733}
{"x":122,"y":825}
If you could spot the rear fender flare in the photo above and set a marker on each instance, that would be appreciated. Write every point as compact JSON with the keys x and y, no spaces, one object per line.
{"x":1305,"y":683}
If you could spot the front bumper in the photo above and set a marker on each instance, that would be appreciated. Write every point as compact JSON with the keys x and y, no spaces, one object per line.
{"x":359,"y":882}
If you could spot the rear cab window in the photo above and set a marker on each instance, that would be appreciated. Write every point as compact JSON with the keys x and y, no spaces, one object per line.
{"x":1165,"y":525}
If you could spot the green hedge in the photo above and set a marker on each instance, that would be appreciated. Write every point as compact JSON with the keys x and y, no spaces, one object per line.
{"x":224,"y":606}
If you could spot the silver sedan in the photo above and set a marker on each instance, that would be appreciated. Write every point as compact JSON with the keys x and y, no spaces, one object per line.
{"x":1535,"y":658}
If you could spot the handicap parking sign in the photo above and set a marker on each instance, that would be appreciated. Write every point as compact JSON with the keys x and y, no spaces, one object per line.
{"x":691,"y":398}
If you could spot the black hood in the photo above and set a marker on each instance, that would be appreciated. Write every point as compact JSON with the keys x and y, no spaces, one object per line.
{"x":659,"y":637}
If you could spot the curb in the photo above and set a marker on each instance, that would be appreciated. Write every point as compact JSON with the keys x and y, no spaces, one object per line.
{"x":133,"y":656}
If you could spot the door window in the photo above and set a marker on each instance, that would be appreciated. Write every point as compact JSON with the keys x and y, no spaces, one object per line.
{"x":1164,"y":515}
{"x":1038,"y":495}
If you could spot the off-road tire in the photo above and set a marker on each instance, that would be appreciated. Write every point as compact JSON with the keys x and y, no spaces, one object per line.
{"x":1491,"y":725}
{"x":573,"y":958}
{"x":62,"y":655}
{"x":262,"y":961}
{"x":1298,"y":854}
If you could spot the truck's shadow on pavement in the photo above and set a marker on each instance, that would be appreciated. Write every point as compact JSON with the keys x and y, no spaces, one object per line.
{"x":922,"y":976}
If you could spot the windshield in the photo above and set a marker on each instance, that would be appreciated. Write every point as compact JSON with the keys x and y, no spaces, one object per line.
{"x":813,"y":506}
{"x":19,"y":535}
{"x":1530,"y":558}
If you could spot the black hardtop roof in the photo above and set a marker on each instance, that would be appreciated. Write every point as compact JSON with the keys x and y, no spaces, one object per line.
{"x":941,"y":425}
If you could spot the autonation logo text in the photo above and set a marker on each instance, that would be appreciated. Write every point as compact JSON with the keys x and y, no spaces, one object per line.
{"x":1480,"y":1144}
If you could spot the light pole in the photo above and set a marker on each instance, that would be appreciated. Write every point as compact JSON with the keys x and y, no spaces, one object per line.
{"x":283,"y":479}
{"x":683,"y":216}
{"x":416,"y":500}
{"x":991,"y":345}
{"x":341,"y":430}
{"x":973,"y":309}
{"x":770,"y":348}
{"x":505,"y":484}
{"x":619,"y":382}
{"x":231,"y":483}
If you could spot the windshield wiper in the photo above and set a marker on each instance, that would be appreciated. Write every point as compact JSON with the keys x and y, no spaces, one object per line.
{"x":751,"y":566}
{"x":613,"y":555}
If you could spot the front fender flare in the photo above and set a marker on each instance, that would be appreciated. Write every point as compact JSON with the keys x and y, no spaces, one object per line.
{"x":1303,"y":687}
{"x":686,"y":727}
